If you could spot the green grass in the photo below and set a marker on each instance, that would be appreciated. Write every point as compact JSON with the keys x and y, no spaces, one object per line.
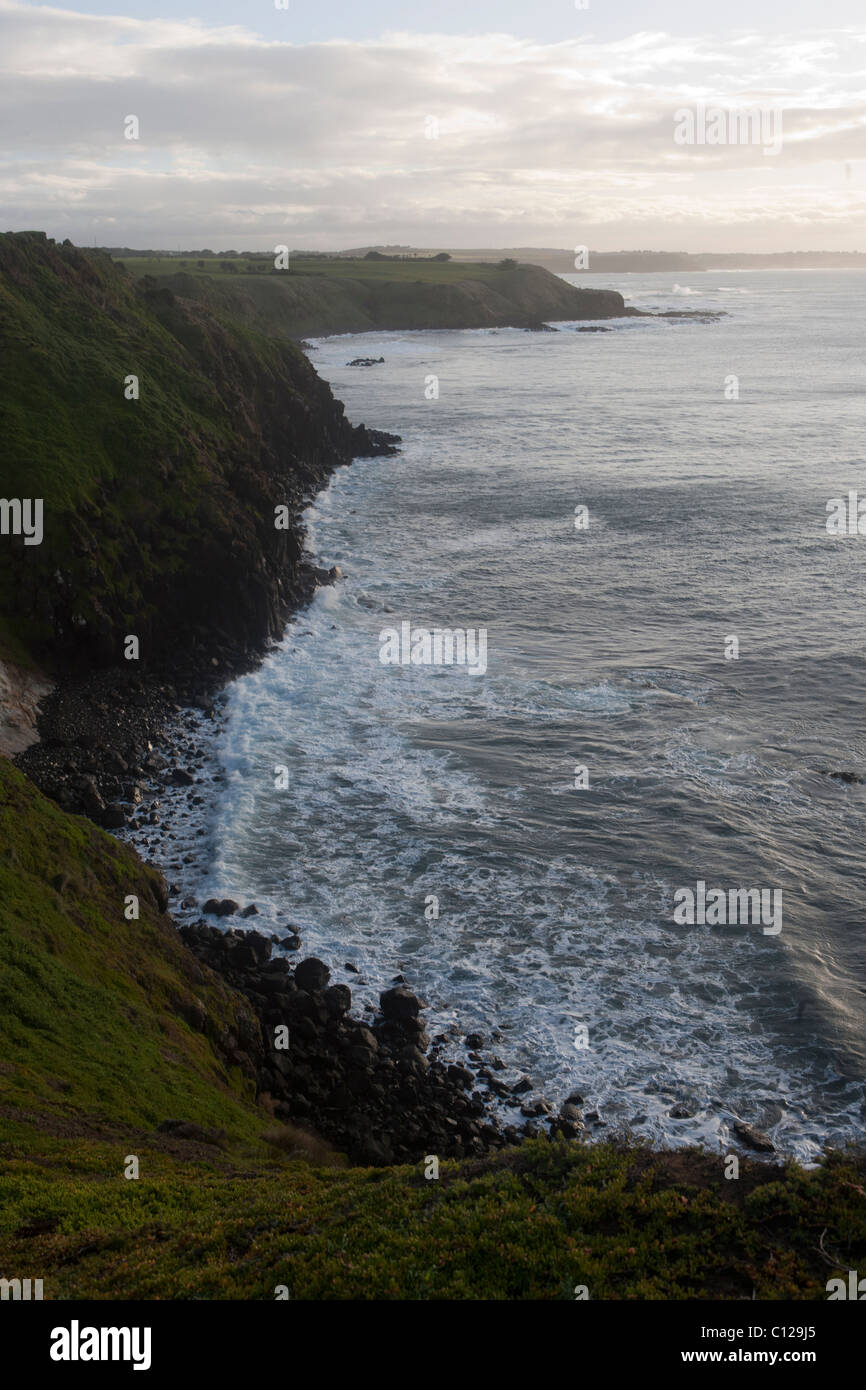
{"x":92,"y":1028}
{"x":529,"y":1225}
{"x":339,"y":268}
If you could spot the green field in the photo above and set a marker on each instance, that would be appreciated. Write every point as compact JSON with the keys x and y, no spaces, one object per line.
{"x":425,"y":272}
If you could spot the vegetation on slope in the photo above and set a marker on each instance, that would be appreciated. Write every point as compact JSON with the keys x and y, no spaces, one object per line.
{"x":159,"y":511}
{"x":101,"y":1016}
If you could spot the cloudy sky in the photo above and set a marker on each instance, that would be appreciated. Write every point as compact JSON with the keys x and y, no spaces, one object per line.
{"x":463,"y":123}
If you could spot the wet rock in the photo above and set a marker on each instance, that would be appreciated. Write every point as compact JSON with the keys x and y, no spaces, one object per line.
{"x":90,"y":800}
{"x":113,"y":817}
{"x":753,"y":1137}
{"x":338,"y":999}
{"x":399,"y":1003}
{"x":462,"y":1075}
{"x":532,"y":1108}
{"x":252,"y":950}
{"x":312,"y":974}
{"x":522,"y":1086}
{"x":361,"y":1036}
{"x":250,"y":911}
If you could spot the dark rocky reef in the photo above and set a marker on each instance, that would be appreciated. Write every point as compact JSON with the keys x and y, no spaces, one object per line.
{"x":372,"y":1089}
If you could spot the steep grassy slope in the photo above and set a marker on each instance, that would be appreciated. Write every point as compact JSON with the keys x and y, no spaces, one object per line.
{"x":159,"y":511}
{"x":106,"y":1024}
{"x":315,"y":297}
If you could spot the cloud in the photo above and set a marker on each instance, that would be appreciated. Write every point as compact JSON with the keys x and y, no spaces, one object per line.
{"x":249,"y":142}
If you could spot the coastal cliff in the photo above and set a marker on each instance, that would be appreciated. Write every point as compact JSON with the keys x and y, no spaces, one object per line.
{"x":315,"y":298}
{"x":160,"y":440}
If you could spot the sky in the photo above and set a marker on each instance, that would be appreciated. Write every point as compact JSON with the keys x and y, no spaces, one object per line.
{"x":479,"y":123}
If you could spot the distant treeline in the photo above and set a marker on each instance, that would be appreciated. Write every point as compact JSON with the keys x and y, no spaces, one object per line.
{"x":413,"y":256}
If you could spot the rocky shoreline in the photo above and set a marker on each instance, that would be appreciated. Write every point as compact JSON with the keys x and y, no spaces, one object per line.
{"x":379,"y":1090}
{"x":111,"y":744}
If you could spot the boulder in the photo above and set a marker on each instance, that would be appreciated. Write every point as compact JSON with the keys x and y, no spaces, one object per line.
{"x":462,"y":1076}
{"x":312,"y":974}
{"x":399,"y":1004}
{"x":338,"y":999}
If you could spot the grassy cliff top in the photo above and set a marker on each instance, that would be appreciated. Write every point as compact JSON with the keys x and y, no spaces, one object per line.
{"x":423,"y":270}
{"x":316,"y":296}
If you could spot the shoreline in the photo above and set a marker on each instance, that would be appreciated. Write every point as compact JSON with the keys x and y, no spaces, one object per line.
{"x":156,"y":729}
{"x":110,"y":745}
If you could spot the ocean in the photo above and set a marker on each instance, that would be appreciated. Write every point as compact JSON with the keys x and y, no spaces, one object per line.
{"x":667,"y":689}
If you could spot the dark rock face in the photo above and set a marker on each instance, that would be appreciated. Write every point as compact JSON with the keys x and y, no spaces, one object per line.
{"x":211,"y":584}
